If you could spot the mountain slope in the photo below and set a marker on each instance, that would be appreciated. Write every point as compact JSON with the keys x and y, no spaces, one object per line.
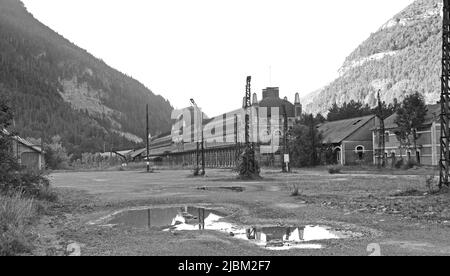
{"x":403,"y":56}
{"x":58,"y":88}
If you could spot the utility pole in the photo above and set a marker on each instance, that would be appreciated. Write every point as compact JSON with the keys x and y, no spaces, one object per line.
{"x":203,"y":172}
{"x":147,"y":139}
{"x":249,"y":168}
{"x":197,"y":156}
{"x":285,"y":166}
{"x":236,"y":139}
{"x":247,"y":122}
{"x":203,"y":147}
{"x":312,"y":127}
{"x":444,"y":163}
{"x":381,"y":136}
{"x":247,"y":105}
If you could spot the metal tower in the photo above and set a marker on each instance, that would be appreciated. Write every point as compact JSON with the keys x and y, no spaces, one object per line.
{"x":248,"y":104}
{"x":445,"y":99}
{"x":248,"y":165}
{"x":381,"y":158}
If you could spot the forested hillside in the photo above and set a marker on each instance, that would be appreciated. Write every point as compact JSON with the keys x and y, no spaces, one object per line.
{"x":403,"y":56}
{"x":57,"y":88}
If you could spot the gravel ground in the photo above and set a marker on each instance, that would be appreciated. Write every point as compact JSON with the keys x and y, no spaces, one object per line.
{"x":362,"y":202}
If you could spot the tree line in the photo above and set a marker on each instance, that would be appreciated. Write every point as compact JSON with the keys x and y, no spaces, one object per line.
{"x":33,"y":62}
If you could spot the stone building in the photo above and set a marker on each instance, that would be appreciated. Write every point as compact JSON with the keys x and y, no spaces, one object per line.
{"x":224,"y":134}
{"x":428,"y":141}
{"x":350,"y":140}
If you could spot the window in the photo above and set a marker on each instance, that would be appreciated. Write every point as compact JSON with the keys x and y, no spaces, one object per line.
{"x":359,"y":150}
{"x":386,"y":137}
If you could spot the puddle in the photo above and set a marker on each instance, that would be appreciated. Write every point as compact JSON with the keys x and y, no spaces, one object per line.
{"x":160,"y":217}
{"x":236,"y":189}
{"x":193,"y":219}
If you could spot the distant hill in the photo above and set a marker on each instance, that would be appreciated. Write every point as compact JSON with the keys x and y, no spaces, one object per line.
{"x":58,"y":88}
{"x":403,"y":56}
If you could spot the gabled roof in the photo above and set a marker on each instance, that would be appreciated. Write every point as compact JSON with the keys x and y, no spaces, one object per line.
{"x":338,"y":131}
{"x":24,"y":142}
{"x":432,"y":116}
{"x":138,"y":152}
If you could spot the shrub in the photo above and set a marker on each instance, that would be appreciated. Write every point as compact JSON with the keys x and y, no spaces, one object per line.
{"x":248,"y":166}
{"x":295,"y":190}
{"x":196,"y":171}
{"x":334,"y":169}
{"x":409,"y":165}
{"x":431,"y":184}
{"x":29,"y":184}
{"x":56,"y":156}
{"x":15,"y":213}
{"x":399,"y":164}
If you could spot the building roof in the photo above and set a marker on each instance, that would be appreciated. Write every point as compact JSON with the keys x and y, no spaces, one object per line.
{"x":138,"y":152}
{"x":338,"y":131}
{"x":432,"y":116}
{"x":277,"y":102}
{"x":271,"y":98}
{"x":24,"y":142}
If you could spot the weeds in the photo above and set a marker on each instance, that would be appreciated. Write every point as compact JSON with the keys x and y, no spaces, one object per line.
{"x":295,"y":191}
{"x":410,"y":165}
{"x":431,"y":185}
{"x":399,"y":164}
{"x":28,"y":184}
{"x":15,"y":213}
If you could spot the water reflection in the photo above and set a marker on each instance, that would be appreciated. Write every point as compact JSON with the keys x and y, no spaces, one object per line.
{"x":162,"y":217}
{"x":194,"y":219}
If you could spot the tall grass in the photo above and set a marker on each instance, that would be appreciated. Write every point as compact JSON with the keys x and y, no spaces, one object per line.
{"x":15,"y":214}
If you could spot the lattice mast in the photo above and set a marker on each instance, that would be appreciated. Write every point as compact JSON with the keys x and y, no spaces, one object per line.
{"x":247,"y":105}
{"x":248,"y":166}
{"x":381,"y":160}
{"x":444,"y":162}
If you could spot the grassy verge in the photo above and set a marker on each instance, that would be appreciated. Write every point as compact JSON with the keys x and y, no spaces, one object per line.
{"x":16,"y":213}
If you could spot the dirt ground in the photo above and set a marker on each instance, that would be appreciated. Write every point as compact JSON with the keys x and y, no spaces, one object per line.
{"x":366,"y":203}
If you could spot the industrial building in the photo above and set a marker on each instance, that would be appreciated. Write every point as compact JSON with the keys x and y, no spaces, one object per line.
{"x":350,"y":140}
{"x":428,"y":140}
{"x":224,"y":135}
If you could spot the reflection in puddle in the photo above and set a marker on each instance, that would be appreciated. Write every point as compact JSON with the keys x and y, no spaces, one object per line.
{"x":194,"y":219}
{"x":236,"y":189}
{"x":162,"y":217}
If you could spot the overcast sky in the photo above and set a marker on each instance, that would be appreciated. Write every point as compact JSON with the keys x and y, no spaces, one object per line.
{"x":204,"y":49}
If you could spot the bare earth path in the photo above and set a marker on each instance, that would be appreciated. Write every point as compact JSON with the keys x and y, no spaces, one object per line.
{"x":362,"y":203}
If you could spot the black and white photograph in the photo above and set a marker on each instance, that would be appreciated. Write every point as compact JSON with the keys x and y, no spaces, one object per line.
{"x":223,"y":135}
